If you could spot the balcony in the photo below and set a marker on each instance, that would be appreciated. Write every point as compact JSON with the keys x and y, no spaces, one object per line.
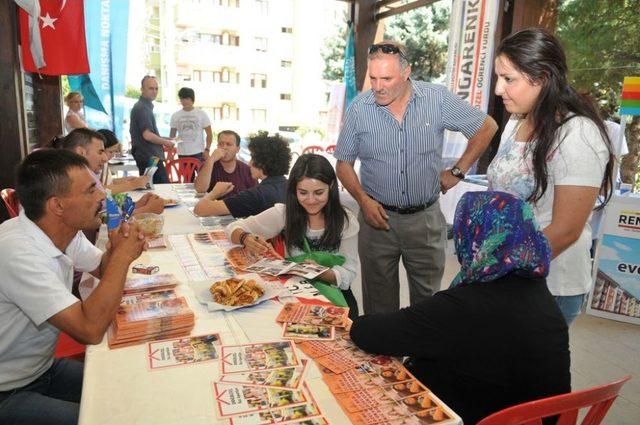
{"x":208,"y":16}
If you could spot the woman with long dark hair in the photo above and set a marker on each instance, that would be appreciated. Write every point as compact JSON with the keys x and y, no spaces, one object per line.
{"x":312,"y":220}
{"x":555,"y":153}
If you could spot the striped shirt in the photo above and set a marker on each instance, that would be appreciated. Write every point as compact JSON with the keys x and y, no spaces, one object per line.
{"x":401,"y":162}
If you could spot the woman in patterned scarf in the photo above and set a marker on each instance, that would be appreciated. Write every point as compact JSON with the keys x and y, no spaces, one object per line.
{"x":496,"y":337}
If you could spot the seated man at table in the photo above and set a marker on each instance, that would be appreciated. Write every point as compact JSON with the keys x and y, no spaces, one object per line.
{"x":270,"y":159}
{"x":496,"y":337}
{"x":90,"y":144}
{"x":223,"y":166}
{"x":38,"y":251}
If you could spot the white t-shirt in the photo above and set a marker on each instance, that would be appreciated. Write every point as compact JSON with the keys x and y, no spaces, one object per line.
{"x":580,"y":160}
{"x":35,"y":285}
{"x":190,"y":126}
{"x":270,"y":223}
{"x":68,"y":128}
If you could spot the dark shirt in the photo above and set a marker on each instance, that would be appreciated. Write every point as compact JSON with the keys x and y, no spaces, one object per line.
{"x":142,"y":119}
{"x":480,"y":347}
{"x":253,"y":201}
{"x":241,"y":178}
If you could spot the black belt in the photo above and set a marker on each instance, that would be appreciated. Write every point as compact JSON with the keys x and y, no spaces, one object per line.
{"x":408,"y":210}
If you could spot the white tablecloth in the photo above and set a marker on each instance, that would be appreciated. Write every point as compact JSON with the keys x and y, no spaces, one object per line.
{"x":120,"y":389}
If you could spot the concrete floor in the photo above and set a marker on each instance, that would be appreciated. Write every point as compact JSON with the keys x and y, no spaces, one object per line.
{"x":601,"y":351}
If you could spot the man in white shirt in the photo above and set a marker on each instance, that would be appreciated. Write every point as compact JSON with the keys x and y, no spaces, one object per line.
{"x":189,"y":123}
{"x":38,"y":251}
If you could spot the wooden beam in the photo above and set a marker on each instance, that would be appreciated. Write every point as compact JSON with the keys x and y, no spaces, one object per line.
{"x":47,"y":107}
{"x":404,"y":8}
{"x":12,"y":137}
{"x":365,"y":33}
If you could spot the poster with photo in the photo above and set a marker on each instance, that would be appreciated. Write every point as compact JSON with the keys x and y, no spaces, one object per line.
{"x":616,"y":278}
{"x":181,"y":351}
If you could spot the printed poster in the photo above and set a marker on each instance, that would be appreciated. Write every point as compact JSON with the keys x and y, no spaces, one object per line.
{"x":616,"y":289}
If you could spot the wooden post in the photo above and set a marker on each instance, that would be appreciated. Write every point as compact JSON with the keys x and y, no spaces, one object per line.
{"x":365,"y":32}
{"x":47,"y":105}
{"x":12,"y":137}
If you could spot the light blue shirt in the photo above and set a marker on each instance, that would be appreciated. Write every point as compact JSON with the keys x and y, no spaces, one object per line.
{"x":401,"y":162}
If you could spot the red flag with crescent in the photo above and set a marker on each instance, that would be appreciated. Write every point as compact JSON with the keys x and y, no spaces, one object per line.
{"x":64,"y":47}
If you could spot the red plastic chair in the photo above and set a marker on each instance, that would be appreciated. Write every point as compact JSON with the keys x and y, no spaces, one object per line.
{"x":170,"y":153}
{"x":69,"y":347}
{"x":567,"y":406}
{"x":330,"y":149}
{"x":313,"y":149}
{"x":11,"y":202}
{"x":182,"y":170}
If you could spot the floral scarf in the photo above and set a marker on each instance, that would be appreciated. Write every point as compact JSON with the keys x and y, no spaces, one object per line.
{"x":496,"y":234}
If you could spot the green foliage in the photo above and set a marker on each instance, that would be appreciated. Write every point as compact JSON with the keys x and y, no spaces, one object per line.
{"x":303,"y":131}
{"x":132,"y":92}
{"x":602,"y":43}
{"x":424,"y":32}
{"x":66,"y":88}
{"x":333,"y":52}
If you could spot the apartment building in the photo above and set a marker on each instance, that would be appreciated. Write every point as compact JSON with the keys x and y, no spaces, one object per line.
{"x":254,"y":64}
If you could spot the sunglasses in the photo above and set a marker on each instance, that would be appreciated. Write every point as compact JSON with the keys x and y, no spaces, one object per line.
{"x":388,"y":49}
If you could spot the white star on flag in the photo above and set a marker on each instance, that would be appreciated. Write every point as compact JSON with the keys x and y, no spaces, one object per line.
{"x":47,"y":21}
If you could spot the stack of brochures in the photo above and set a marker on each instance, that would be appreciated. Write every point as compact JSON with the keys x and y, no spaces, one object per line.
{"x":150,"y":310}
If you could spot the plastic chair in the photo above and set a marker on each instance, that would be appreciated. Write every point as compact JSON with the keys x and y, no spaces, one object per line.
{"x":181,"y":170}
{"x":566,"y":406}
{"x":170,"y":153}
{"x":330,"y":149}
{"x":10,"y":202}
{"x":69,"y":347}
{"x":313,"y":149}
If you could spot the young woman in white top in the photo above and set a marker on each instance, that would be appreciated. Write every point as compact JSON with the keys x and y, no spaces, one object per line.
{"x":555,"y":153}
{"x":312,"y":211}
{"x":75,"y":117}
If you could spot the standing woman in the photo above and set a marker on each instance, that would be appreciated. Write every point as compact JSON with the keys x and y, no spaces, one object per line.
{"x":554,"y":153}
{"x":75,"y":117}
{"x":311,"y":221}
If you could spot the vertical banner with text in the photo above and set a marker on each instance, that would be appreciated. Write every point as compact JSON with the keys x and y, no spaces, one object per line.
{"x":470,"y":59}
{"x":107,"y":24}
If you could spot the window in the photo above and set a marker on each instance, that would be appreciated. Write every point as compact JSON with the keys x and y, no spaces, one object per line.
{"x":259,"y":116}
{"x":261,"y":44}
{"x":226,"y":112}
{"x":285,"y":96}
{"x":225,"y":75}
{"x":206,"y":38}
{"x":285,"y":64}
{"x":217,"y":39}
{"x":262,"y":6}
{"x":206,"y":76}
{"x":259,"y":80}
{"x":217,"y":76}
{"x":196,"y":76}
{"x":228,"y":3}
{"x":287,"y":30}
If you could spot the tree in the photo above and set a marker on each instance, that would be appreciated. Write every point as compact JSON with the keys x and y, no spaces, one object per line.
{"x":132,"y":92}
{"x":423,"y":31}
{"x":601,"y":42}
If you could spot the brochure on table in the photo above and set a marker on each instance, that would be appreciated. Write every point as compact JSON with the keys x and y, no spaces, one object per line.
{"x":616,"y":289}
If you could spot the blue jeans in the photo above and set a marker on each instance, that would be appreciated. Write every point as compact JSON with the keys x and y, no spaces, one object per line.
{"x":570,"y":306}
{"x":53,"y":398}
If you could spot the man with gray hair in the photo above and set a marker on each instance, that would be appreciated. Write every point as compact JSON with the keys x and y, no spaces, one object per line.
{"x":396,"y":130}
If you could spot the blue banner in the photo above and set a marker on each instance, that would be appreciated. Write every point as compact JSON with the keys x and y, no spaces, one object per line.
{"x":106,"y":27}
{"x":350,"y":68}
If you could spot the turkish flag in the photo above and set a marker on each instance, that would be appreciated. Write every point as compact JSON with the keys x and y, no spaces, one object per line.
{"x":61,"y":25}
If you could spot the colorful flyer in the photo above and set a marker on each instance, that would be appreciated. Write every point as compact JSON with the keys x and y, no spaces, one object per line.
{"x":313,"y":314}
{"x":233,"y":399}
{"x":308,"y":332}
{"x":261,"y":356}
{"x":287,"y":378}
{"x":148,"y":296}
{"x":289,"y":415}
{"x":338,"y":361}
{"x":181,"y":351}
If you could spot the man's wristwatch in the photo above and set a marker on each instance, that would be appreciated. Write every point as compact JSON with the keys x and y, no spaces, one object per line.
{"x":457,"y":172}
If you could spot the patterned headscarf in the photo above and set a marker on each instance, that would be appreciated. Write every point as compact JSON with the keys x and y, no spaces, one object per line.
{"x":495,"y":234}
